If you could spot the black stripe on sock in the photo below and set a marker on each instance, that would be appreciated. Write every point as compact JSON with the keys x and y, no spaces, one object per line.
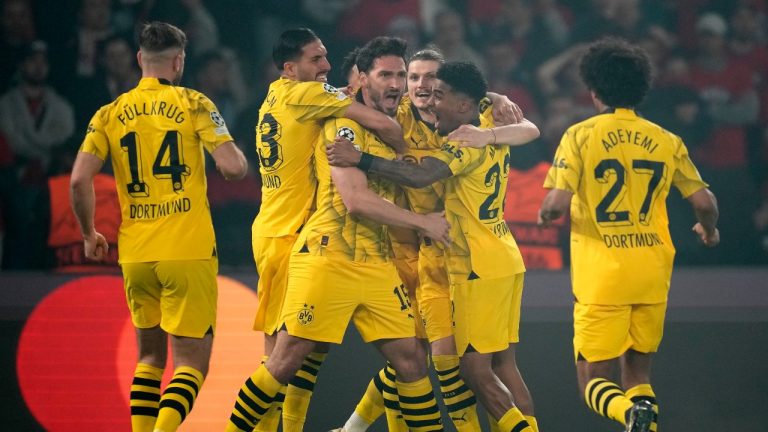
{"x":302,"y":383}
{"x":390,"y":373}
{"x":417,"y":399}
{"x":317,"y":363}
{"x":431,"y":409}
{"x":144,"y":411}
{"x":447,"y":372}
{"x":599,"y":396}
{"x":378,"y":384}
{"x":186,"y":394}
{"x":251,"y":404}
{"x":520,"y":426}
{"x":253,"y":388}
{"x":280,"y":397}
{"x":175,"y":405}
{"x":608,"y":400}
{"x":423,"y":423}
{"x":466,"y":403}
{"x":146,"y":382}
{"x":310,"y":370}
{"x":144,"y":396}
{"x":187,"y":382}
{"x":450,"y":381}
{"x":240,"y":423}
{"x":391,"y":404}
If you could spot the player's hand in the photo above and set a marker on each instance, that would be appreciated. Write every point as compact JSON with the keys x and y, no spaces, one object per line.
{"x":342,"y":153}
{"x":542,"y":221}
{"x":96,"y":247}
{"x":471,"y":136}
{"x":506,"y":112}
{"x":436,"y":227}
{"x":709,"y":239}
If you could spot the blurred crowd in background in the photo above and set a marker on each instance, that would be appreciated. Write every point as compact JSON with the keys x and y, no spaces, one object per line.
{"x":63,"y":59}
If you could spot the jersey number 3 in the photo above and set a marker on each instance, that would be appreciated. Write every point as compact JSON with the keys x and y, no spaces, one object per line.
{"x":168,"y":163}
{"x":606,"y":212}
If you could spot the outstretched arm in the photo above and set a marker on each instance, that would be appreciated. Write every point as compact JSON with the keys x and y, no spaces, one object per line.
{"x":83,"y":200}
{"x":383,"y":126}
{"x":555,"y":204}
{"x":705,"y":206}
{"x":343,"y":154}
{"x":361,"y":201}
{"x":512,"y":135}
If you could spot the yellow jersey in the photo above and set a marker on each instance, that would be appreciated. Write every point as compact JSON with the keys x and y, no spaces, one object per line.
{"x":288,"y":129}
{"x":155,"y":135}
{"x":620,"y":168}
{"x":331,"y":231}
{"x":481,"y":244}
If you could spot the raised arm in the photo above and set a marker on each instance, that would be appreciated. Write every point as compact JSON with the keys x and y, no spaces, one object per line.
{"x":383,"y":126}
{"x":512,"y":135}
{"x":504,"y":110}
{"x":230,"y":161}
{"x":555,"y":205}
{"x":83,"y":200}
{"x":362,"y":202}
{"x":343,"y":154}
{"x":705,"y":207}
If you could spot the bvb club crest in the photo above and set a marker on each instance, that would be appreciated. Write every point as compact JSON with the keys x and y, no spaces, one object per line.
{"x":306,"y":315}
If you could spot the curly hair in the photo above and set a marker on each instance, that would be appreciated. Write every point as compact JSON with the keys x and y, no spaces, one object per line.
{"x":464,"y":77}
{"x":380,"y":47}
{"x":619,"y":73}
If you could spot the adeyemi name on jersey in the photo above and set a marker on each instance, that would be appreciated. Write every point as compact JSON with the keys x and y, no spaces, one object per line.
{"x":627,"y":136}
{"x":156,"y":108}
{"x":633,"y":240}
{"x":152,"y":211}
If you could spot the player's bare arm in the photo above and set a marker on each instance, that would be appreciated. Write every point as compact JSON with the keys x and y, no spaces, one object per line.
{"x":516,"y":134}
{"x":504,"y":111}
{"x":343,"y":154}
{"x":230,"y":161}
{"x":361,"y":201}
{"x":83,"y":199}
{"x":705,"y":207}
{"x":383,"y":126}
{"x":555,"y":205}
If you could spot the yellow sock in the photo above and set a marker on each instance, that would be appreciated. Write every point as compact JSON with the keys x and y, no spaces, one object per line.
{"x":645,"y":392}
{"x":458,"y":398}
{"x":299,"y":393}
{"x":514,"y":420}
{"x":270,"y":421}
{"x":607,"y":399}
{"x":178,"y":398}
{"x":395,"y":419}
{"x":145,"y":397}
{"x":533,"y":423}
{"x":418,"y":405}
{"x":254,"y":399}
{"x":371,"y":405}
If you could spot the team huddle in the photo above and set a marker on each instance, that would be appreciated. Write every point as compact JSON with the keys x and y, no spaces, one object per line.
{"x":382,"y":204}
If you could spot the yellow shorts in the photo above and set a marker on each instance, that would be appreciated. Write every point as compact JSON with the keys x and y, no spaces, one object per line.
{"x":179,"y":295}
{"x":408,"y":271}
{"x":325,"y":293}
{"x":487,"y":313}
{"x":604,"y":332}
{"x":271,"y":255}
{"x":434,"y":297}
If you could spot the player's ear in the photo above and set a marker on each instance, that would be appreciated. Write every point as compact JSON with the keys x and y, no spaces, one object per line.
{"x":138,"y":59}
{"x":289,"y":68}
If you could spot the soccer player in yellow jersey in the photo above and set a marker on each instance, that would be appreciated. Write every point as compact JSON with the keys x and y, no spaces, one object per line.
{"x":484,"y":264}
{"x":614,"y":172}
{"x":155,"y":135}
{"x":289,"y":125}
{"x":340,"y":268}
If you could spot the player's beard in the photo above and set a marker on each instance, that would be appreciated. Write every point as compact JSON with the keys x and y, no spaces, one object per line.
{"x":379,"y":99}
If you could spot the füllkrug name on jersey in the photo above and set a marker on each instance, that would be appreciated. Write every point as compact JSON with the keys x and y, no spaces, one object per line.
{"x":154,"y":108}
{"x":159,"y":210}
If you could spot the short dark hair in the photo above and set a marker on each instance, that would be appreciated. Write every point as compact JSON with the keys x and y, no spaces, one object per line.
{"x":619,"y":73}
{"x":379,"y":47}
{"x":159,"y":36}
{"x":349,"y":61}
{"x":428,"y":55}
{"x":464,"y":77}
{"x":290,"y":44}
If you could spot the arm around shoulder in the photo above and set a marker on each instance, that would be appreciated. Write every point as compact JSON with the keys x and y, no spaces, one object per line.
{"x":384,"y":126}
{"x":230,"y":161}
